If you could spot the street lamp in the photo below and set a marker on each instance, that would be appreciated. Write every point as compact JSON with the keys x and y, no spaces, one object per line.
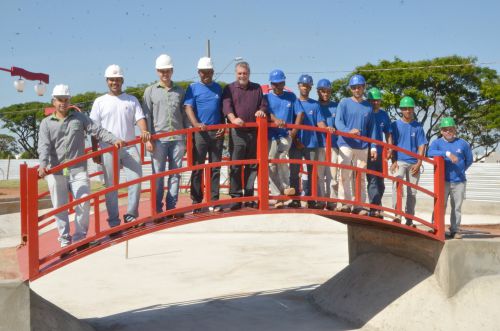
{"x":19,"y":84}
{"x":236,"y":59}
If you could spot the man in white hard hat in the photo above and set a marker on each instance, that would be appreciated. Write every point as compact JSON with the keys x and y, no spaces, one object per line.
{"x":163,"y":107}
{"x":61,"y":138}
{"x":203,"y":106}
{"x":118,"y":112}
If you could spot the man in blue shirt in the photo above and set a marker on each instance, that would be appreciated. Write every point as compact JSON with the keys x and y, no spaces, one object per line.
{"x":375,"y":185}
{"x":305,"y":146}
{"x":328,"y":177}
{"x":203,"y":107}
{"x":458,"y":158}
{"x":354,"y":116}
{"x":280,"y":105}
{"x":408,"y":134}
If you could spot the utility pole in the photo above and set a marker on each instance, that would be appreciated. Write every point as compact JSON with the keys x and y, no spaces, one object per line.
{"x":208,"y":47}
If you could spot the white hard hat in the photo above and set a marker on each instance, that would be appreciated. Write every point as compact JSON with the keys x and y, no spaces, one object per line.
{"x":164,"y":62}
{"x":113,"y":71}
{"x":205,"y":63}
{"x":61,"y":90}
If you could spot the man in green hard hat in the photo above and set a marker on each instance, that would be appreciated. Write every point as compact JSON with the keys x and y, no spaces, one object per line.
{"x":375,"y":184}
{"x":408,"y":134}
{"x":458,"y":158}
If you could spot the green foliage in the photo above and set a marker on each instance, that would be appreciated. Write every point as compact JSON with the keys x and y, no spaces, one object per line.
{"x":462,"y":90}
{"x":8,"y":146}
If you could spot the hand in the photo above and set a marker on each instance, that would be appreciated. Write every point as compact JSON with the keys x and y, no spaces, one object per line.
{"x":238,"y":121}
{"x":220,"y":133}
{"x":453,"y":158}
{"x":415,"y":169}
{"x":389,"y":153}
{"x":202,"y":126}
{"x":119,"y":144}
{"x":260,"y":113}
{"x":150,"y":147}
{"x":145,"y":136}
{"x":331,"y":129}
{"x":394,"y":167}
{"x":298,"y":144}
{"x":279,"y":123}
{"x":373,"y":154}
{"x":42,"y":172}
{"x":355,"y":132}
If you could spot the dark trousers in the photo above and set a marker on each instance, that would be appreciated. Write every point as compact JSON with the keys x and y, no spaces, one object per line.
{"x":299,"y":154}
{"x":242,"y":146}
{"x":375,"y":184}
{"x":206,"y":143}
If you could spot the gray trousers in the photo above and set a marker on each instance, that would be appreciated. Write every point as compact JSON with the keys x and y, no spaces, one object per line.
{"x":403,"y":172}
{"x":456,"y":193}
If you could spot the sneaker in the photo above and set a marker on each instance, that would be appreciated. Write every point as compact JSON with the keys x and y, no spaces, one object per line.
{"x":289,"y":191}
{"x":115,"y":235}
{"x":215,"y":209}
{"x":345,"y":209}
{"x":396,"y":219}
{"x":331,"y":205}
{"x":360,"y":211}
{"x":65,"y":254}
{"x":127,"y":218}
{"x":311,"y":205}
{"x":279,"y":205}
{"x":456,"y":235}
{"x":197,"y":211}
{"x":294,"y":204}
{"x":251,"y":204}
{"x":236,"y":206}
{"x":87,"y":245}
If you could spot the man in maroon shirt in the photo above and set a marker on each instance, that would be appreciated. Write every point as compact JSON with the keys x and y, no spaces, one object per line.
{"x":242,"y":102}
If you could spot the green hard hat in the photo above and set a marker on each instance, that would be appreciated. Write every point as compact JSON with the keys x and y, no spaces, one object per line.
{"x":407,"y":102}
{"x":374,"y":94}
{"x":447,"y":122}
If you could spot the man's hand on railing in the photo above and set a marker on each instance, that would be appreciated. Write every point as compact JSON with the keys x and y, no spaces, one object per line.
{"x":355,"y":132}
{"x":260,"y":113}
{"x":202,"y":126}
{"x":150,"y":147}
{"x":145,"y":136}
{"x":238,"y":121}
{"x":119,"y":144}
{"x":331,"y":129}
{"x":42,"y":172}
{"x":279,"y":123}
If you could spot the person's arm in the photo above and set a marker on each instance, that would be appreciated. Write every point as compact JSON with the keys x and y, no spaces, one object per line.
{"x":43,"y":149}
{"x":145,"y":134}
{"x":415,"y":169}
{"x":468,"y":156}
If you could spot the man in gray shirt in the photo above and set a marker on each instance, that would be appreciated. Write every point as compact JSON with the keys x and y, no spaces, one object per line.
{"x":61,"y":138}
{"x":162,"y":105}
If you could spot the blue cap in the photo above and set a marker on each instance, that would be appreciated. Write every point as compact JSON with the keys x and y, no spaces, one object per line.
{"x":357,"y":80}
{"x":305,"y":79}
{"x":324,"y":83}
{"x":277,"y":76}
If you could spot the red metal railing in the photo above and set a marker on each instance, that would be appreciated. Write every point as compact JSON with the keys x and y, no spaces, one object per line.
{"x":33,"y":232}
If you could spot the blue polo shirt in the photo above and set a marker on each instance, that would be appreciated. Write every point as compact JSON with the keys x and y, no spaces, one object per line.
{"x":329,"y":111}
{"x":312,"y":116}
{"x":355,"y":115}
{"x":409,"y":136}
{"x":383,"y":126}
{"x":206,"y":102}
{"x":282,"y":107}
{"x":453,"y":172}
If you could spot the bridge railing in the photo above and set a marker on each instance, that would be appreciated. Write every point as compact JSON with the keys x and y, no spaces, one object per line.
{"x":33,"y":224}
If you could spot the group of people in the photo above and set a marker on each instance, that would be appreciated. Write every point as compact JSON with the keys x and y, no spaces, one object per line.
{"x":167,"y":108}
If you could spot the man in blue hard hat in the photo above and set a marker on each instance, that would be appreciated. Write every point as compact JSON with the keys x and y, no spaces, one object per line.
{"x":375,"y":185}
{"x":280,"y":105}
{"x":328,"y":108}
{"x":305,"y":145}
{"x":354,"y":116}
{"x":458,"y":158}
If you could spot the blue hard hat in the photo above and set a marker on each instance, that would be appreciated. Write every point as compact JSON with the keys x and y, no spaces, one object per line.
{"x":277,"y":76}
{"x":324,"y":83}
{"x":357,"y":80}
{"x":305,"y":79}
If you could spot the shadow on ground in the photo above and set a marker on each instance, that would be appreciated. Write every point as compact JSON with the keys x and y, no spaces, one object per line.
{"x":282,"y":309}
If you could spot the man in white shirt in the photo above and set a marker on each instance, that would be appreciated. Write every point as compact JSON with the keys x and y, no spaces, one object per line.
{"x":117,"y":112}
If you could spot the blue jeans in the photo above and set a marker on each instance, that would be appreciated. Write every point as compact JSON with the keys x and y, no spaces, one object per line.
{"x":173,"y":151}
{"x":129,"y":159}
{"x":375,"y":184}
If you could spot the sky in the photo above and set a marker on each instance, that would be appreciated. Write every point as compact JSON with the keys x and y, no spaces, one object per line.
{"x":74,"y":41}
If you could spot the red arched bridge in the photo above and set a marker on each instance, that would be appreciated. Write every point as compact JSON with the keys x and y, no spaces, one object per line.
{"x":40,"y":254}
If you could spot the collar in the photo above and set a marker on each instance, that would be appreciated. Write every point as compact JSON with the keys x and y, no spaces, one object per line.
{"x":54,"y":117}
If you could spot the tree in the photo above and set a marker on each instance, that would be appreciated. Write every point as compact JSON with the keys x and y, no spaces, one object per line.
{"x":8,"y":146}
{"x":23,"y":121}
{"x":447,"y":86}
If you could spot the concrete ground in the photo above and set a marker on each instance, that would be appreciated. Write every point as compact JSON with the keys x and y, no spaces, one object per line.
{"x":243,"y":273}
